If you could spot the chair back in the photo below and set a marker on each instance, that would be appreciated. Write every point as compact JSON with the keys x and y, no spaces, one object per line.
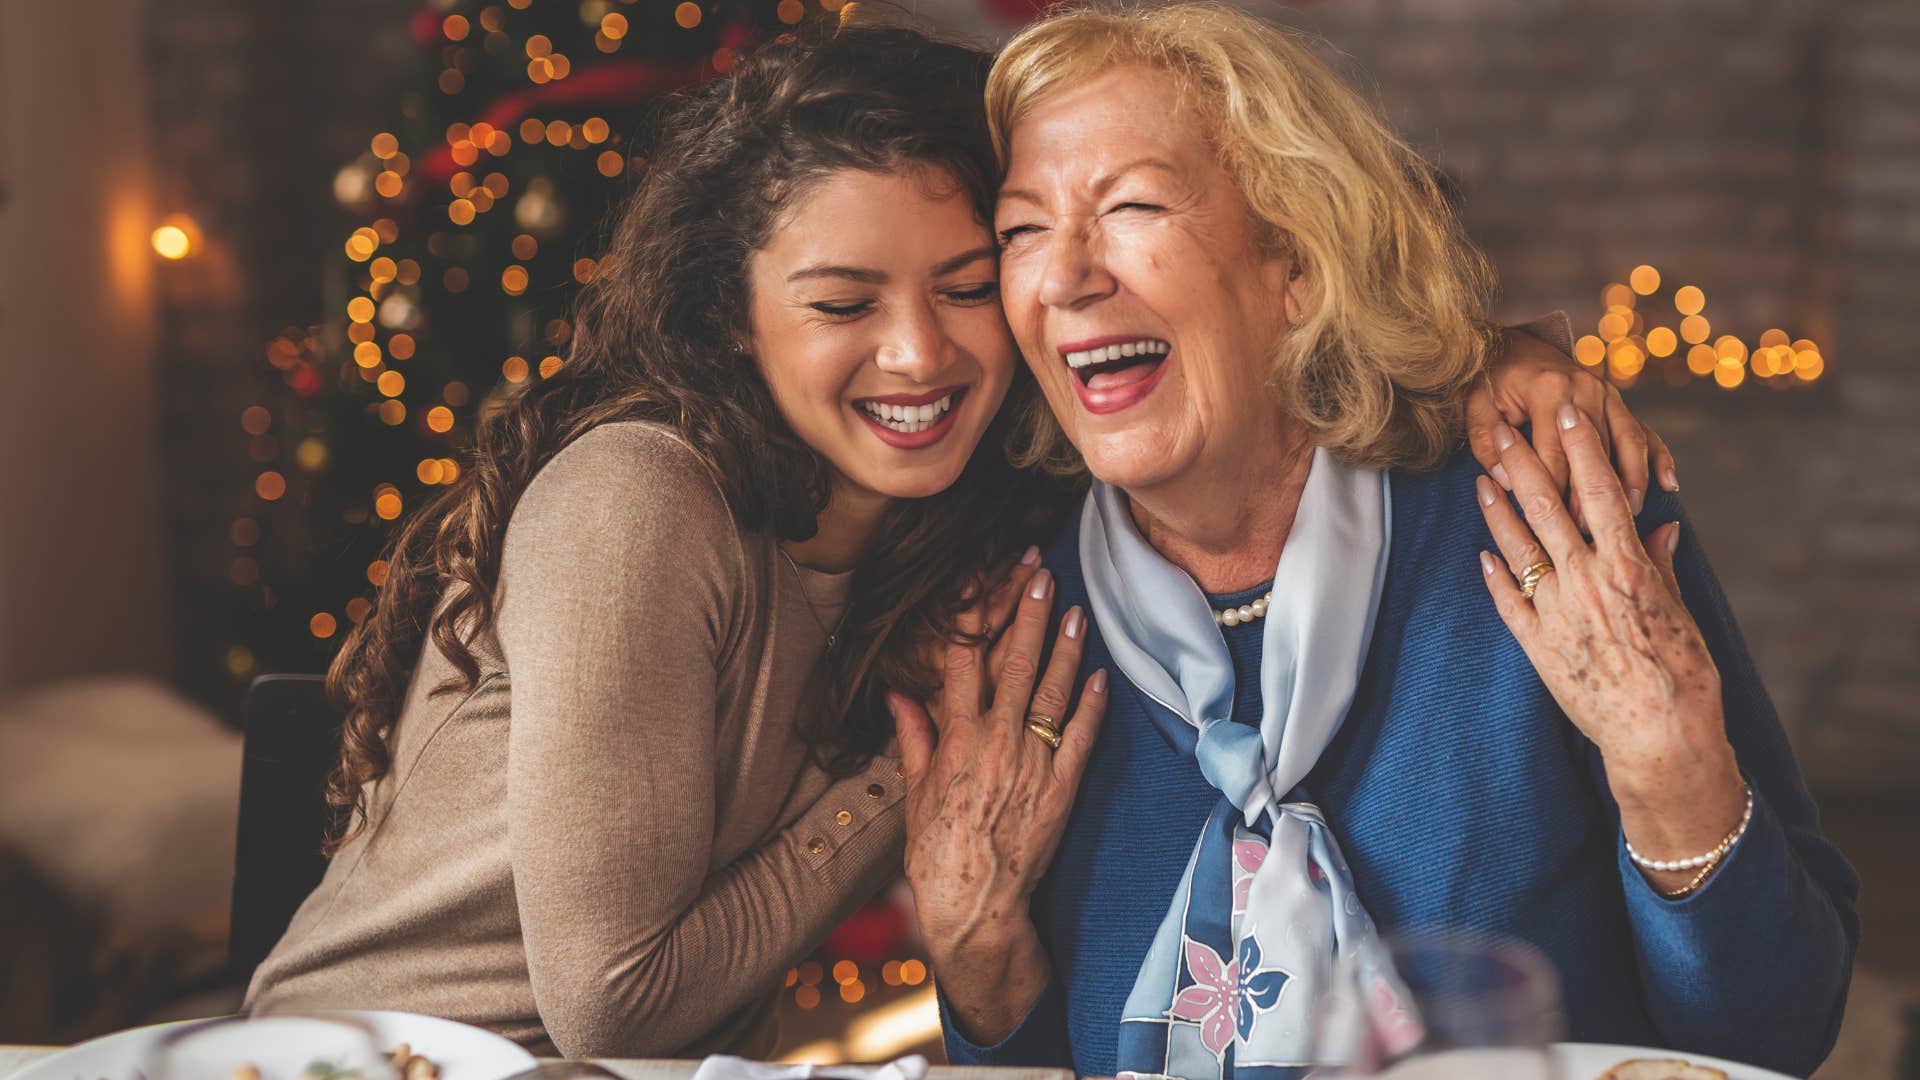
{"x":292,"y":740}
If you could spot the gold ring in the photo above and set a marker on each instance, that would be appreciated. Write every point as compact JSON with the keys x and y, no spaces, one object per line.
{"x":1044,"y":731}
{"x":1532,"y":576}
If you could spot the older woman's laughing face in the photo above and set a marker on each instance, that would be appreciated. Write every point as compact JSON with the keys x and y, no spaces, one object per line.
{"x":1136,"y":284}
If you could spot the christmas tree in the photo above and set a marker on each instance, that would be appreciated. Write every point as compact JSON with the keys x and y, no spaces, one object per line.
{"x":467,"y":226}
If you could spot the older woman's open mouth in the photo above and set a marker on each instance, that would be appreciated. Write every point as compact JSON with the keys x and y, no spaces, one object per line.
{"x":1117,"y":372}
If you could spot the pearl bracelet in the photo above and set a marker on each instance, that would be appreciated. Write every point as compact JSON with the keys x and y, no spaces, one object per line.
{"x":1698,"y":861}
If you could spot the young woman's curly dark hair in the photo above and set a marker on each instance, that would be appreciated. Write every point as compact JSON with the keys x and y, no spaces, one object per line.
{"x":654,"y":339}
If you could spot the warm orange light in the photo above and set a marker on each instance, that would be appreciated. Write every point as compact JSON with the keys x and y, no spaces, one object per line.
{"x":1774,"y":337}
{"x":367,"y":355}
{"x":428,"y":470}
{"x":595,"y":130}
{"x":845,"y":971}
{"x":614,"y":25}
{"x":270,"y":485}
{"x":513,"y":280}
{"x":1729,"y":375}
{"x":1689,"y":300}
{"x":455,"y":27}
{"x":311,"y":454}
{"x":384,"y":145}
{"x":687,"y":15}
{"x":890,"y":973}
{"x":1645,"y":280}
{"x":460,"y":212}
{"x":790,"y":11}
{"x":514,"y":369}
{"x":255,"y":420}
{"x":1661,"y":341}
{"x":440,"y":419}
{"x":387,"y":505}
{"x":360,"y":309}
{"x":401,"y":347}
{"x":1730,"y":349}
{"x":532,"y":131}
{"x":550,"y":365}
{"x":913,"y":972}
{"x":583,"y":270}
{"x":455,"y":394}
{"x":322,"y":625}
{"x":377,"y":572}
{"x":1695,"y":329}
{"x":358,"y":609}
{"x":852,"y":992}
{"x":392,"y":413}
{"x":177,"y":237}
{"x":1701,"y":359}
{"x":539,"y":45}
{"x":1590,"y":350}
{"x":1617,"y":295}
{"x":525,"y":247}
{"x":806,"y":997}
{"x":611,"y":163}
{"x":391,"y":383}
{"x":1614,"y":326}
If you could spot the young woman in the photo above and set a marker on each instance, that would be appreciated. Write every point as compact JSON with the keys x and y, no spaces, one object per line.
{"x":616,"y":754}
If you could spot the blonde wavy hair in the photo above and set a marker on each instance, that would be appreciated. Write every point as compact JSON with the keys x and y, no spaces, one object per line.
{"x":1396,"y":326}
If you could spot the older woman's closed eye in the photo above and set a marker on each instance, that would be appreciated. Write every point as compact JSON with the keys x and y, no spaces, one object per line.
{"x":1258,"y":326}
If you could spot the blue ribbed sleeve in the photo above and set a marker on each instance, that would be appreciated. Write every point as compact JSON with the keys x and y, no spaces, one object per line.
{"x":1754,"y":966}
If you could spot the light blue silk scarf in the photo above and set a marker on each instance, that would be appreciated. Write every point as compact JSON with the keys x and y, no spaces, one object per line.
{"x":1249,"y":943}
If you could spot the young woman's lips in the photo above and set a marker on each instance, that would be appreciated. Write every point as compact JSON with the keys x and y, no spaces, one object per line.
{"x":913,"y":440}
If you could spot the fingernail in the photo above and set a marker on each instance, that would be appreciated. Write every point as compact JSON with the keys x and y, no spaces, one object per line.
{"x":1484,"y":487}
{"x":1486,"y":564}
{"x":1673,"y":540}
{"x":1569,"y":416}
{"x":1073,"y":624}
{"x":1042,"y":585}
{"x":1502,"y":435}
{"x":1499,"y":472}
{"x":1032,"y":556}
{"x":1098,"y":684}
{"x":1670,"y":479}
{"x":1636,"y":499}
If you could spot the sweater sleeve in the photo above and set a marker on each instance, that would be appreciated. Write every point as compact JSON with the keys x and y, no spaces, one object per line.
{"x":1039,"y":1042}
{"x":1754,"y":965}
{"x":619,"y":593}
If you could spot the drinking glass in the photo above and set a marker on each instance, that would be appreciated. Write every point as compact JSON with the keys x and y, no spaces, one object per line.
{"x":1443,"y":1005}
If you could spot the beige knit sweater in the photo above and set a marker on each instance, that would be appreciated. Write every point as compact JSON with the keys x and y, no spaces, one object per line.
{"x":613,"y":845}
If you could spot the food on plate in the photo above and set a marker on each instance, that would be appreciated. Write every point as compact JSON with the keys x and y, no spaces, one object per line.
{"x":407,"y":1065}
{"x":1661,"y":1069}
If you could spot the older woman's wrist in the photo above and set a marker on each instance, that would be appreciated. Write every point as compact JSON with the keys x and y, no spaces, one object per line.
{"x":1682,"y":806}
{"x":991,"y":984}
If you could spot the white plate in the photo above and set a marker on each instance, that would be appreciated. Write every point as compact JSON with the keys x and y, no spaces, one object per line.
{"x":1584,"y":1061}
{"x":281,"y":1047}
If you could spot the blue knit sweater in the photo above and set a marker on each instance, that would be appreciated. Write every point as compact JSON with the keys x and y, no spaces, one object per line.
{"x":1462,"y":796}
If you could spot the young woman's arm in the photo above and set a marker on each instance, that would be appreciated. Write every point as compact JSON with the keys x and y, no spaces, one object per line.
{"x":620,"y":596}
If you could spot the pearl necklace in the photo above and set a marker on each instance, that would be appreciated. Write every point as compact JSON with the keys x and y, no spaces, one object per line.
{"x":1234,"y":616}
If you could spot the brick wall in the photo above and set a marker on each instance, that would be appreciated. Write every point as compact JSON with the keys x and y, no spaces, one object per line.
{"x":254,"y":109}
{"x":1769,"y":152}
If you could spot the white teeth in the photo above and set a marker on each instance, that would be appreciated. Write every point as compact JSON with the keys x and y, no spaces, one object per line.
{"x":1142,"y":347}
{"x":908,"y":419}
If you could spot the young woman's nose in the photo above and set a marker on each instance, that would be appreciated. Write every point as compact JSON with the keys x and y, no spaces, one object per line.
{"x":917,"y":347}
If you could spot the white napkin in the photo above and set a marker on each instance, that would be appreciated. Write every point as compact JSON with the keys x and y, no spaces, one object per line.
{"x":724,"y":1067}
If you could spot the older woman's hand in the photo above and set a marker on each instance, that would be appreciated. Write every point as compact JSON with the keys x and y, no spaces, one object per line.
{"x":987,"y":802}
{"x":1529,"y":382}
{"x":1610,"y":637}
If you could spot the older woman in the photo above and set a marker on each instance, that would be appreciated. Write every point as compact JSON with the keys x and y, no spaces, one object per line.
{"x":1328,"y":707}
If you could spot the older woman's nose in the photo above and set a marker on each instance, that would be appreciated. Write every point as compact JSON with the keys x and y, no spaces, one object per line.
{"x":916,"y":346}
{"x":1075,"y":274}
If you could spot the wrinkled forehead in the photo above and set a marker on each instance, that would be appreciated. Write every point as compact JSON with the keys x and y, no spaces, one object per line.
{"x":1131,"y":114}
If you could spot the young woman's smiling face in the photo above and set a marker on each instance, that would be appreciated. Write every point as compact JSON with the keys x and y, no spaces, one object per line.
{"x":877,"y":326}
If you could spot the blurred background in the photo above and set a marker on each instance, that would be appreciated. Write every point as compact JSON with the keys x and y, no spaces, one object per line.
{"x":261,"y":265}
